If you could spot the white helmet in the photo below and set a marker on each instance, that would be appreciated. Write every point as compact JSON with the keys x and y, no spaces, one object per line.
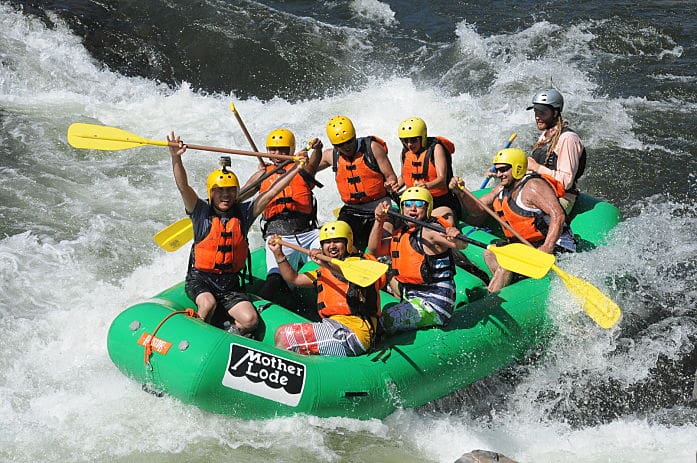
{"x":549,"y":97}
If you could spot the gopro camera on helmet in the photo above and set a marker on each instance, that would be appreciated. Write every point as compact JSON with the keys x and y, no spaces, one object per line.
{"x":225,"y":162}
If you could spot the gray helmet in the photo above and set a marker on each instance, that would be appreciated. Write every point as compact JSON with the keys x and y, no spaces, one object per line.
{"x":549,"y":97}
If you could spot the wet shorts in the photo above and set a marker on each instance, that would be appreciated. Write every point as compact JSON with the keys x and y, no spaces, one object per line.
{"x":225,"y":288}
{"x":409,"y":314}
{"x":327,"y":337}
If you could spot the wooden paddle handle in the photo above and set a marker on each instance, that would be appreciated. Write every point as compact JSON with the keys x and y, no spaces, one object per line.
{"x":234,"y":151}
{"x":305,"y":251}
{"x":496,"y":217}
{"x":437,"y":228}
{"x":242,"y":126}
{"x":244,"y":130}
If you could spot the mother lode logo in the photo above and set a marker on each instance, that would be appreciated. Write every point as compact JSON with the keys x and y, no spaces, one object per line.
{"x":264,"y":375}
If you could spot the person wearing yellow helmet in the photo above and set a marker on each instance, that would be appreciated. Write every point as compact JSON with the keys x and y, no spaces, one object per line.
{"x":558,"y":151}
{"x":529,"y":203}
{"x":348,"y":312}
{"x":292,"y":213}
{"x":423,"y":263}
{"x":427,"y":163}
{"x":363,"y":173}
{"x":220,"y":248}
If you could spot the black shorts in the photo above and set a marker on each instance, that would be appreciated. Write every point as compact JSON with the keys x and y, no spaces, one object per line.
{"x":224,"y":287}
{"x":361,"y":223}
{"x":449,"y":200}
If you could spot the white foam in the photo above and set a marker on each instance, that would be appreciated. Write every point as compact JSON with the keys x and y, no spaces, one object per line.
{"x":86,"y":252}
{"x":374,"y":10}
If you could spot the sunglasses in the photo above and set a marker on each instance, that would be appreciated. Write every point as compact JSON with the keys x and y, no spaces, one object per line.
{"x":280,"y":149}
{"x":502,"y":169}
{"x":414,"y":202}
{"x":410,"y":140}
{"x":344,"y":144}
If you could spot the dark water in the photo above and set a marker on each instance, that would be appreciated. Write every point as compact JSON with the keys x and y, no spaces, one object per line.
{"x":301,"y":50}
{"x":629,"y":76}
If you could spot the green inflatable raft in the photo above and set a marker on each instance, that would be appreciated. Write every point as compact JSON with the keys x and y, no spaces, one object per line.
{"x":161,"y":346}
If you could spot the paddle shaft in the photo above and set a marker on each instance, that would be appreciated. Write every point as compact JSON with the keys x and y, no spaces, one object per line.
{"x":435,"y":227}
{"x":496,"y":217}
{"x":257,"y":182}
{"x":304,"y":173}
{"x":233,"y":151}
{"x":295,"y":247}
{"x":507,"y":145}
{"x":600,"y":308}
{"x":244,"y":130}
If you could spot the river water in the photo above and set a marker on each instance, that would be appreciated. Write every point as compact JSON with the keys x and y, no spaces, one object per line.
{"x":76,"y":226}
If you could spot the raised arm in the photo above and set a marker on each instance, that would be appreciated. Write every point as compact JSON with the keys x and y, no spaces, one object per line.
{"x":188,"y":194}
{"x":249,"y":192}
{"x":264,"y":199}
{"x":313,"y":164}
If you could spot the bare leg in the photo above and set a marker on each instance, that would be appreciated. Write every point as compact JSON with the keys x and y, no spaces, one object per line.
{"x":245,"y":315}
{"x":206,"y":306}
{"x":501,"y":277}
{"x":279,"y":339}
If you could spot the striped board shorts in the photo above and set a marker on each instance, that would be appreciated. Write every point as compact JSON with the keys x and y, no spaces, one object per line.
{"x":327,"y":337}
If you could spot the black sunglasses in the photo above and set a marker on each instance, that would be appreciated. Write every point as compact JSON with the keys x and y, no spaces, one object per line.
{"x":502,"y":169}
{"x":346,"y":143}
{"x":281,"y":149}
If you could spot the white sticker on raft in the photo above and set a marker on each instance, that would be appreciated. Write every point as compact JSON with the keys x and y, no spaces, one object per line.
{"x":264,"y":375}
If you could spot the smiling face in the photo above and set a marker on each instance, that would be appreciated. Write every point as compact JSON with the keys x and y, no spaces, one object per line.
{"x":334,"y":248}
{"x":415,"y":208}
{"x":223,"y":198}
{"x":504,"y":173}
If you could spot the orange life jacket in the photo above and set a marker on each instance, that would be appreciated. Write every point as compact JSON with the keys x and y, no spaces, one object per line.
{"x":337,"y":296}
{"x":296,"y":197}
{"x":412,"y":265}
{"x":529,"y":224}
{"x":422,"y":166}
{"x":223,"y":250}
{"x":359,"y":179}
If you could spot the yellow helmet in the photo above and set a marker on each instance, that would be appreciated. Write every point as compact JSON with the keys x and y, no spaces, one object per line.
{"x":413,"y":127}
{"x":516,"y":158}
{"x":340,"y":130}
{"x":281,"y":138}
{"x":221,"y":178}
{"x":416,"y":192}
{"x":337,"y":229}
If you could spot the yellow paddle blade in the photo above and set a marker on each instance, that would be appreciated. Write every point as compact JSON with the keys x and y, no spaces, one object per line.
{"x":597,"y":305}
{"x":102,"y":137}
{"x":523,"y":259}
{"x":362,"y":272}
{"x":175,"y":235}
